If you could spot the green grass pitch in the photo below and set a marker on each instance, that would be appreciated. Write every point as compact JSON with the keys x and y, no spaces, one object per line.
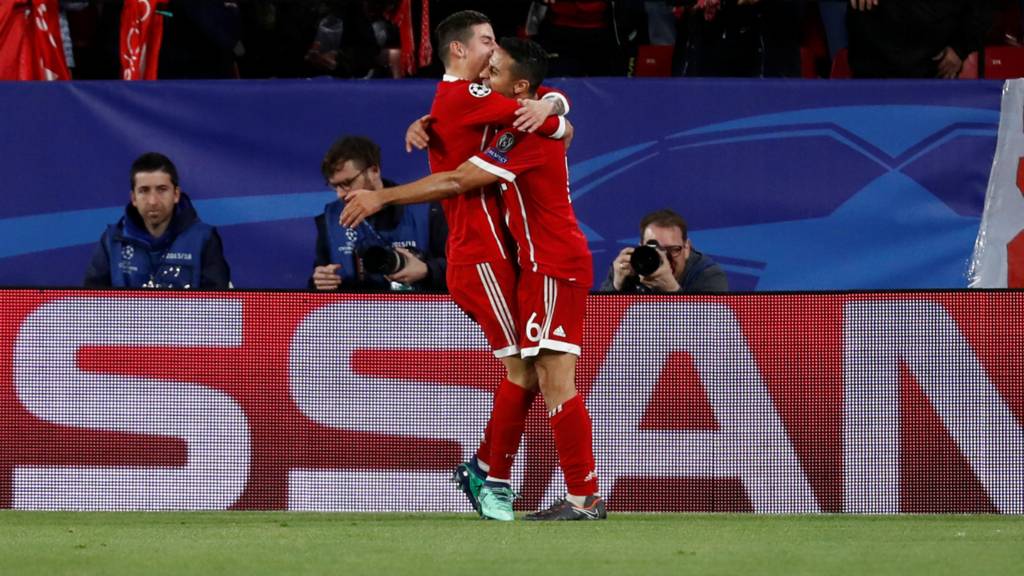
{"x":219,"y":543}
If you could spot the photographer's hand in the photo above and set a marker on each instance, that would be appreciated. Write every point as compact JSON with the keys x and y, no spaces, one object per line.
{"x":359,"y":205}
{"x":326,"y":277}
{"x":662,"y":280}
{"x":414,"y":270}
{"x":621,"y":268}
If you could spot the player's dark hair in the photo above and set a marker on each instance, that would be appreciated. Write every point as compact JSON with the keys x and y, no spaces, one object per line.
{"x":529,"y":60}
{"x":154,"y":162}
{"x":457,"y":28}
{"x":358,"y":149}
{"x":664,"y":218}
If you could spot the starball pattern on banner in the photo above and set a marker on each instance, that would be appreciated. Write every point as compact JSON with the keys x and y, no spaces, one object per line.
{"x":787,"y":185}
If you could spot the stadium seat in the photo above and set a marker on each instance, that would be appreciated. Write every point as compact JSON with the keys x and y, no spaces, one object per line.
{"x":814,"y":52}
{"x":1003,"y":62}
{"x":841,"y":65}
{"x":653,"y":60}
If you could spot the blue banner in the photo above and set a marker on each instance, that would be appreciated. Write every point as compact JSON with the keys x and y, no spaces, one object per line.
{"x":789,"y":185}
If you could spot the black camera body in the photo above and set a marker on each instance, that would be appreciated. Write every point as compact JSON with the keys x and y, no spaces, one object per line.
{"x":382,"y":260}
{"x":646,"y":258}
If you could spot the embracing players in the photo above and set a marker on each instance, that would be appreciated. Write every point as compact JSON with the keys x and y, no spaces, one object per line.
{"x":541,"y":317}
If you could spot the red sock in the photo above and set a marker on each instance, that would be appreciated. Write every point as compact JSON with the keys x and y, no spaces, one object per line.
{"x":508,"y":420}
{"x":483,"y":453}
{"x":574,"y":441}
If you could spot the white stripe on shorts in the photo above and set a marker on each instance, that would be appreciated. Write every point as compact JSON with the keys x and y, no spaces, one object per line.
{"x":550,"y":297}
{"x":498,"y":303}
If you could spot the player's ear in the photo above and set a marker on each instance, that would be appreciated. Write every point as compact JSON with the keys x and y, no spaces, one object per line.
{"x":457,"y":49}
{"x":521,"y":87}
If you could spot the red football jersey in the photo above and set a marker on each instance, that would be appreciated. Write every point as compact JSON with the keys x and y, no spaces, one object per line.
{"x":535,"y":191}
{"x":464,"y":111}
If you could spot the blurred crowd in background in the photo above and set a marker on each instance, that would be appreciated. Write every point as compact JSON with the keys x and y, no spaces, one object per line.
{"x":391,"y":38}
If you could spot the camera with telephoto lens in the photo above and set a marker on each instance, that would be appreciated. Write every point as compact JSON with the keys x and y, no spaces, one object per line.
{"x":382,"y":260}
{"x":646,"y":258}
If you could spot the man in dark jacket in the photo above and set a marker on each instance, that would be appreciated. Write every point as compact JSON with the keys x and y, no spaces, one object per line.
{"x":682,"y":268}
{"x":160,"y":241}
{"x":416,"y":234}
{"x":915,"y":38}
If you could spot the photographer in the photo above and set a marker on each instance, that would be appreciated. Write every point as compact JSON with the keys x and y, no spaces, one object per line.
{"x":665,"y":262}
{"x":400,"y":248}
{"x":160,"y":242}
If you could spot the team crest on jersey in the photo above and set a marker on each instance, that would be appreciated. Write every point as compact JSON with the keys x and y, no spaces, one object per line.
{"x":506,"y":142}
{"x":479,"y":90}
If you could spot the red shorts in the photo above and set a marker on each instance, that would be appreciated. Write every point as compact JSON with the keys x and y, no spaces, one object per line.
{"x":551,"y":312}
{"x":486,"y":292}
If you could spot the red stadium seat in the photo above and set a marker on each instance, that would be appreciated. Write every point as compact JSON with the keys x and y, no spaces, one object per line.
{"x":653,"y":60}
{"x":1003,"y":62}
{"x":813,"y":44}
{"x":841,"y":64}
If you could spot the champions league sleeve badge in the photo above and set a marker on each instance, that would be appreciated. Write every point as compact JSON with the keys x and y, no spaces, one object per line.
{"x":479,"y":90}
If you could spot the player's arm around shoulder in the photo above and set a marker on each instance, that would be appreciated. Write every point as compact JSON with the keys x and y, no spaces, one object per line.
{"x":361,"y":204}
{"x":481,"y":106}
{"x":468,"y":176}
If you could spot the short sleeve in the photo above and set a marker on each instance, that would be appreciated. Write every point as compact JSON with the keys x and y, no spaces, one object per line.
{"x":510,"y":154}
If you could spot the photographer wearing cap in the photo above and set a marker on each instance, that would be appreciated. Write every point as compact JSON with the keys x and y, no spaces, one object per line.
{"x":665,"y":262}
{"x":399,"y":248}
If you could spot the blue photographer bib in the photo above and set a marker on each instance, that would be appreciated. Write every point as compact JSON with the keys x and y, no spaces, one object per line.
{"x":412,"y":231}
{"x":134,"y":263}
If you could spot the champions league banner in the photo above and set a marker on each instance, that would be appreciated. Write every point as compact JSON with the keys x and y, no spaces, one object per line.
{"x":776,"y":403}
{"x":789,"y":185}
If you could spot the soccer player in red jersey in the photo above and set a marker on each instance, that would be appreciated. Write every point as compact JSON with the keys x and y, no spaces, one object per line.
{"x":481,"y":275}
{"x":555,"y":272}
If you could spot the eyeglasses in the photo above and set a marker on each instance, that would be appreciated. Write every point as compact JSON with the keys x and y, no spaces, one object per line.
{"x":346,"y":185}
{"x":673,"y":251}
